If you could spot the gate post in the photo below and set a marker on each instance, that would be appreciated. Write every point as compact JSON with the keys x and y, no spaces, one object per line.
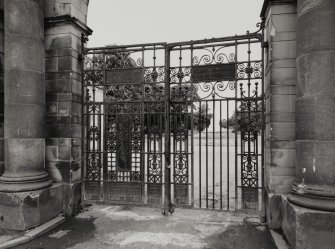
{"x":279,"y":89}
{"x":314,"y":187}
{"x":27,"y":198}
{"x":65,"y":22}
{"x":168,"y":206}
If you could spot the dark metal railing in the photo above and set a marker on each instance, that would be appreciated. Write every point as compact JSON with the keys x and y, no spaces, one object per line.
{"x":175,"y":123}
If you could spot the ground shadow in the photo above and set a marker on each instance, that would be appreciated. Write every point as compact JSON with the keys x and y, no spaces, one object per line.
{"x":245,"y":236}
{"x":71,"y":232}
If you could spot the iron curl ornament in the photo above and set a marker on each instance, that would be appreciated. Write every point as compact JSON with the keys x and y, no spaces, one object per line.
{"x":208,"y":90}
{"x":180,"y":74}
{"x":157,"y":110}
{"x":154,"y":74}
{"x":93,"y":78}
{"x":250,"y":70}
{"x":214,"y":56}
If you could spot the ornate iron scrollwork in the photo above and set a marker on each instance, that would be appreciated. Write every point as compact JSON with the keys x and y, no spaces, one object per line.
{"x":144,"y":118}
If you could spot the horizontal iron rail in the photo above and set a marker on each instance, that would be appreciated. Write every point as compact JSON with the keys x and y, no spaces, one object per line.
{"x":208,"y":42}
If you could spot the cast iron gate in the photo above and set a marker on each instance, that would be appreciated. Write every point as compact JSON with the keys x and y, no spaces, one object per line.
{"x":178,"y":122}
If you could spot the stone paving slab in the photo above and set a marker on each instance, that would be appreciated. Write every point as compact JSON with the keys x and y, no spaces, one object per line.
{"x":103,"y":226}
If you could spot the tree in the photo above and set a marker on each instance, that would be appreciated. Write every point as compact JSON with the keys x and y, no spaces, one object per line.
{"x":116,"y":60}
{"x":247,"y":119}
{"x":201,"y":121}
{"x":224,"y":123}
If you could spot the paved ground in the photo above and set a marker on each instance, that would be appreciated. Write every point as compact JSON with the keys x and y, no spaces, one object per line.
{"x":6,"y":235}
{"x":101,"y":227}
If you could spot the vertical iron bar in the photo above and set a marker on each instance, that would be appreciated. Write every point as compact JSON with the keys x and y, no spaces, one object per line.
{"x":199,"y":129}
{"x":83,"y":137}
{"x":242,"y":146}
{"x":221,"y":123}
{"x":249,"y":109}
{"x":143,"y":177}
{"x":228,"y":194}
{"x":213,"y":152}
{"x":236,"y":137}
{"x":161,"y":124}
{"x":206,"y":155}
{"x":263,"y":209}
{"x":93,"y":142}
{"x":105,"y":153}
{"x":192,"y":131}
{"x":167,"y":198}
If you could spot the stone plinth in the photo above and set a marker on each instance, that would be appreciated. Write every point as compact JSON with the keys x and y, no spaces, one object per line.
{"x":25,"y":210}
{"x":307,"y":228}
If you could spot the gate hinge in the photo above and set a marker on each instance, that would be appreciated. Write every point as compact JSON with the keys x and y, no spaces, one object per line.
{"x":80,"y":57}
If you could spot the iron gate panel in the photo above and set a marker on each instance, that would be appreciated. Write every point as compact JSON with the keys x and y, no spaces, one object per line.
{"x":179,"y":122}
{"x":125,"y":108}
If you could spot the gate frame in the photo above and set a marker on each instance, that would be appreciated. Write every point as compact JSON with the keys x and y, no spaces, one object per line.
{"x":168,"y":205}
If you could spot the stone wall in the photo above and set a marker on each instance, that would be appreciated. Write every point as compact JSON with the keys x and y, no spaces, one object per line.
{"x":65,"y":24}
{"x":73,"y":8}
{"x":300,"y":137}
{"x":280,"y":90}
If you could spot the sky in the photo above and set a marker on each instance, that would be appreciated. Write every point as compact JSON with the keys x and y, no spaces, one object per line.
{"x":122,"y":22}
{"x":125,"y":22}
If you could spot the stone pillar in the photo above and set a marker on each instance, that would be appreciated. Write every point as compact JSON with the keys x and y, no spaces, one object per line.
{"x":308,"y":213}
{"x":65,"y":23}
{"x":315,"y":106}
{"x":2,"y":103}
{"x":280,"y":82}
{"x":27,"y":196}
{"x":24,"y":98}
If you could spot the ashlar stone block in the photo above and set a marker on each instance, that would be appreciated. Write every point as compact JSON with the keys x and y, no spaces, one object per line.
{"x":25,"y":210}
{"x":307,"y":228}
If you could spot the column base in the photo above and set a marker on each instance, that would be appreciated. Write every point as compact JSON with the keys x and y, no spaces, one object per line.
{"x":21,"y":184}
{"x":313,"y":202}
{"x":313,"y":196}
{"x":25,"y":210}
{"x":307,"y":228}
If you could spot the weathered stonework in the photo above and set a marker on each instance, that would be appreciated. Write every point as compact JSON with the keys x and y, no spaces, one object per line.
{"x":65,"y":24}
{"x":280,"y":82}
{"x":315,"y":106}
{"x":307,"y":228}
{"x":73,"y":8}
{"x":300,"y":134}
{"x":24,"y":97}
{"x":25,"y":210}
{"x":27,"y":196}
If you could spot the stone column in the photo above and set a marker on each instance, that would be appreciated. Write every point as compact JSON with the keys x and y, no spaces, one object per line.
{"x":315,"y":106}
{"x":24,"y":97}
